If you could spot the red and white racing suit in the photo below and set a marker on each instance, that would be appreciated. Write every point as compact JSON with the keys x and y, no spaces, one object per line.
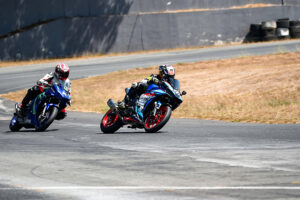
{"x":51,"y":78}
{"x":47,"y":81}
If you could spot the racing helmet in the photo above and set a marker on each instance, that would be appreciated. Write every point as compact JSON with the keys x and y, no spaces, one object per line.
{"x":62,"y":71}
{"x":166,"y":71}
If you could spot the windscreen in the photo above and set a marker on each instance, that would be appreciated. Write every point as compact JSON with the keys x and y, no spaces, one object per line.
{"x":175,"y":83}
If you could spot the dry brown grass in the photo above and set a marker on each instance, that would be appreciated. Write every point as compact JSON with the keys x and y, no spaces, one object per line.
{"x":262,"y":89}
{"x":259,"y":5}
{"x":253,"y":89}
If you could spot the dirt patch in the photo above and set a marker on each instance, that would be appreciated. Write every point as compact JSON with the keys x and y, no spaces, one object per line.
{"x":263,"y":89}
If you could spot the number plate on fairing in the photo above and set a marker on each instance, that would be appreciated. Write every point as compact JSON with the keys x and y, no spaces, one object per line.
{"x":144,"y":98}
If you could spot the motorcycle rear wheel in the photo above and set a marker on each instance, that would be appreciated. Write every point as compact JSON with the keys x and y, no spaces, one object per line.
{"x":110,"y":122}
{"x":153,"y":124}
{"x":51,"y":117}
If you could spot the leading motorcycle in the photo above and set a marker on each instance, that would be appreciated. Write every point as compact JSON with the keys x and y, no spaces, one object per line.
{"x":42,"y":110}
{"x":154,"y":109}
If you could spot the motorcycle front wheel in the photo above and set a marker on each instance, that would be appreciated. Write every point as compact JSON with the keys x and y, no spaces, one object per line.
{"x":14,"y":124}
{"x":153,"y":124}
{"x":110,"y":122}
{"x":45,"y":121}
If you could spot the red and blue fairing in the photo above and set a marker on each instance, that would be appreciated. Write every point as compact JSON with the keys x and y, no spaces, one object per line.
{"x":151,"y":111}
{"x":164,"y":93}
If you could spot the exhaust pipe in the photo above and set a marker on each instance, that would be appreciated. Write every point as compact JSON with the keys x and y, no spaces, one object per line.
{"x":112,"y":105}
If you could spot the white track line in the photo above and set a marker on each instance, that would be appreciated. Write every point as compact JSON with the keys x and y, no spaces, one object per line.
{"x":154,"y":188}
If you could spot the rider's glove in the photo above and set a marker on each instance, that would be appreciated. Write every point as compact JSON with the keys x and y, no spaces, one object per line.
{"x":142,"y":85}
{"x":40,"y":82}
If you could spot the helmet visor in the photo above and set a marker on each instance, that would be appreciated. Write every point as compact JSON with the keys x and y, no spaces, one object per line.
{"x":171,"y":71}
{"x":63,"y":75}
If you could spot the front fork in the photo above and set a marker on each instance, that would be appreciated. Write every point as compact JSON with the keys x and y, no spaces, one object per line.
{"x":157,"y":106}
{"x":43,"y":116}
{"x":44,"y":110}
{"x":46,"y":107}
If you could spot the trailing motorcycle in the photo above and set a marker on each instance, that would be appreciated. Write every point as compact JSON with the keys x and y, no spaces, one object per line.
{"x":42,"y":110}
{"x":154,"y":109}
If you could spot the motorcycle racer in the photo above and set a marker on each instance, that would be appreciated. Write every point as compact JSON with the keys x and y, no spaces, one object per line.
{"x":138,"y":88}
{"x":150,"y":110}
{"x":59,"y":76}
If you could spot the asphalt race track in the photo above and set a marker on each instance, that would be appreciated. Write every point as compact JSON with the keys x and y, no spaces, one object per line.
{"x":188,"y":159}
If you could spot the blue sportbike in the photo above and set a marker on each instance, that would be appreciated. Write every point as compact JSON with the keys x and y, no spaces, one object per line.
{"x":42,"y":110}
{"x":153,"y":108}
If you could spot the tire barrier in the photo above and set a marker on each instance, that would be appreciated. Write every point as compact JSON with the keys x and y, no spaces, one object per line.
{"x":295,"y":23}
{"x":273,"y":30}
{"x":283,"y":33}
{"x":295,"y":31}
{"x":268,"y":30}
{"x":268,"y":25}
{"x":255,"y":32}
{"x":283,"y":23}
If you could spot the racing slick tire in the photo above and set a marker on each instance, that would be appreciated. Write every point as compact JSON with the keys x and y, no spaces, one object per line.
{"x":153,"y":124}
{"x":51,"y":117}
{"x":111,"y":122}
{"x":14,"y":125}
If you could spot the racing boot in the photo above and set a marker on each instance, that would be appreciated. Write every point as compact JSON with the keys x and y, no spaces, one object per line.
{"x":61,"y":114}
{"x":134,"y":115}
{"x":121,"y":105}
